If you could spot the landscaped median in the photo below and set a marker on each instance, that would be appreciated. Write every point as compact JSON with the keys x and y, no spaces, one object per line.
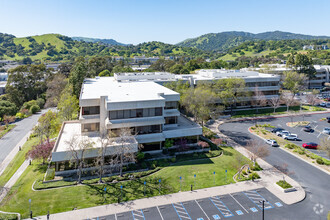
{"x":321,"y":162}
{"x":92,"y":194}
{"x":5,"y":129}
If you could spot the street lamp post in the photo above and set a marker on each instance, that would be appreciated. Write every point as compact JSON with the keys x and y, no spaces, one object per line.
{"x":263,"y":208}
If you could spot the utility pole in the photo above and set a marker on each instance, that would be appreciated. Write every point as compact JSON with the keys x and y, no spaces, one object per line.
{"x":263,"y":208}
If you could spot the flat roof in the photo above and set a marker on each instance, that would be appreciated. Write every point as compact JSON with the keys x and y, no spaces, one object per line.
{"x":122,"y":91}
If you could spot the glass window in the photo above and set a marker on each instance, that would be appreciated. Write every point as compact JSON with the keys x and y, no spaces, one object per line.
{"x":93,"y":110}
{"x":139,"y":113}
{"x":127,"y":113}
{"x":113,"y":114}
{"x":151,"y":112}
{"x":133,"y":113}
{"x":120,"y":114}
{"x":145,"y":112}
{"x":90,"y":127}
{"x":159,"y":111}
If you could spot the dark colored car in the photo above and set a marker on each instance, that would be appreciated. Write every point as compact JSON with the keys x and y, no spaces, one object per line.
{"x":310,"y":145}
{"x":308,"y":128}
{"x":328,"y":119}
{"x":274,"y":130}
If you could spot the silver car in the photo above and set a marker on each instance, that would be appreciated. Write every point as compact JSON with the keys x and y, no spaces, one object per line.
{"x":326,"y":131}
{"x":272,"y":142}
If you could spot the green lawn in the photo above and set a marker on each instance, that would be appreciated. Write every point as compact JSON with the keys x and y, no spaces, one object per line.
{"x":270,"y":111}
{"x":83,"y":196}
{"x":5,"y":131}
{"x":17,"y":161}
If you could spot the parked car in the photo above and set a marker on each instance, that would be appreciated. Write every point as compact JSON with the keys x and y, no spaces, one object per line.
{"x":274,"y":130}
{"x":326,"y":131}
{"x":328,"y":119}
{"x":310,"y":145}
{"x":323,"y":104}
{"x":308,"y":128}
{"x":292,"y":137}
{"x":327,"y":105}
{"x":281,"y":133}
{"x":272,"y":142}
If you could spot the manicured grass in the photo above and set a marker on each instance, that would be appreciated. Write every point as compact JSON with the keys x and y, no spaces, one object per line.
{"x":270,"y":111}
{"x":284,"y":184}
{"x":17,"y":161}
{"x":8,"y":216}
{"x":83,"y":196}
{"x":5,"y":131}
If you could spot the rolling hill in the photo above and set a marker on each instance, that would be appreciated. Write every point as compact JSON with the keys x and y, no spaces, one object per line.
{"x":96,"y":40}
{"x":225,"y":40}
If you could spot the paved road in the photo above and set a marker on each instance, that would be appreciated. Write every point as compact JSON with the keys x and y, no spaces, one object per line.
{"x":240,"y":205}
{"x":314,"y":181}
{"x":12,"y":138}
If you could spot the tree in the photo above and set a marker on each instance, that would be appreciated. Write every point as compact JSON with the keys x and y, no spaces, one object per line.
{"x":275,"y":102}
{"x":47,"y":125}
{"x":26,"y":83}
{"x":8,"y":119}
{"x":7,"y":108}
{"x":312,"y":98}
{"x":77,"y":75}
{"x":105,"y":73}
{"x":124,"y":153}
{"x":54,"y":89}
{"x":68,"y":105}
{"x":41,"y":151}
{"x":64,"y":69}
{"x":288,"y":99}
{"x":200,"y":102}
{"x":258,"y":99}
{"x":78,"y":149}
{"x":26,"y":60}
{"x":257,"y":149}
{"x":325,"y":145}
{"x":294,"y":81}
{"x":304,"y":64}
{"x":284,"y":169}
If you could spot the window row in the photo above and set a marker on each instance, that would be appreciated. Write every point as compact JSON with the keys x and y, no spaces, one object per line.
{"x":90,"y":127}
{"x":93,"y":110}
{"x":261,"y":84}
{"x":149,"y":129}
{"x":171,"y":105}
{"x":136,"y":113}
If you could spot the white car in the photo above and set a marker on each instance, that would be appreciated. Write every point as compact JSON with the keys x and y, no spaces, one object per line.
{"x":272,"y":142}
{"x":292,"y":137}
{"x":326,"y":131}
{"x":281,"y":133}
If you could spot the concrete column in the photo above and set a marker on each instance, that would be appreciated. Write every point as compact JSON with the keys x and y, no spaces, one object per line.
{"x":56,"y":166}
{"x":103,"y":113}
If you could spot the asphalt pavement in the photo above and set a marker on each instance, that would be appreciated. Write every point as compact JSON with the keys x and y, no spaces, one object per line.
{"x":315,"y":182}
{"x":12,"y":138}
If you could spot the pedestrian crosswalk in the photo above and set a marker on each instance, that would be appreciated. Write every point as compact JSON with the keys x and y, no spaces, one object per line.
{"x":181,"y":211}
{"x":221,"y":206}
{"x":257,"y":199}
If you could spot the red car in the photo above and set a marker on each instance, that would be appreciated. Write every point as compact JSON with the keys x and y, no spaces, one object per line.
{"x":310,"y":145}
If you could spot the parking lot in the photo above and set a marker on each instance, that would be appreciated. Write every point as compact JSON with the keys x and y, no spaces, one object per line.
{"x":241,"y":205}
{"x":303,"y":136}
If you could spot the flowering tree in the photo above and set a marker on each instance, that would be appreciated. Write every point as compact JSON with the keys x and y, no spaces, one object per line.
{"x":41,"y":151}
{"x":203,"y":144}
{"x":217,"y":141}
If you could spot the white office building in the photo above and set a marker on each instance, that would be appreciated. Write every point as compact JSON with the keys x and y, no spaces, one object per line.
{"x":147,"y":108}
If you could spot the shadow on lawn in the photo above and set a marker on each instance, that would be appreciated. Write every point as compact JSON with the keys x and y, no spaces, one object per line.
{"x":132,"y":189}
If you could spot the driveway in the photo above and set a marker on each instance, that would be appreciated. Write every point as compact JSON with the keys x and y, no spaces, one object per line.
{"x":315,"y":182}
{"x":12,"y":138}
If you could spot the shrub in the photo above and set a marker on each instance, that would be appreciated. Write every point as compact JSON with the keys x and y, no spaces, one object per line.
{"x":34,"y":109}
{"x":144,"y":165}
{"x":147,"y":156}
{"x":244,"y":172}
{"x":195,"y":155}
{"x":319,"y":161}
{"x":256,"y":167}
{"x":50,"y":174}
{"x":173,"y":159}
{"x":40,"y":102}
{"x":254,"y":175}
{"x":208,"y":133}
{"x":283,"y":184}
{"x":168,"y":143}
{"x":140,"y":156}
{"x":153,"y":166}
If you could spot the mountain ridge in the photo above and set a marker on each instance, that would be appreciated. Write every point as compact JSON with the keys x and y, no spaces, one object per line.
{"x":100,"y":40}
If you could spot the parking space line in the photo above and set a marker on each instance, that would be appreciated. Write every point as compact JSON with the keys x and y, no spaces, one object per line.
{"x":115,"y":216}
{"x":138,"y":214}
{"x":255,"y":197}
{"x":160,"y":213}
{"x":180,"y":206}
{"x":221,"y":206}
{"x":202,"y":210}
{"x":238,"y":203}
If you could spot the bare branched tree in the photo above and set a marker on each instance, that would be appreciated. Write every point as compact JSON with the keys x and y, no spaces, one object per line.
{"x":257,"y":149}
{"x":258,"y":99}
{"x":288,"y":99}
{"x":78,"y":149}
{"x":312,"y":98}
{"x":284,"y":169}
{"x":275,"y":102}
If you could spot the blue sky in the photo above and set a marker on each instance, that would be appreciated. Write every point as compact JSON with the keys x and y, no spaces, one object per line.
{"x":170,"y":21}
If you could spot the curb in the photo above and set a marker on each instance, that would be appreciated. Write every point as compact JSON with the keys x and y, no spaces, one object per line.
{"x":293,"y":154}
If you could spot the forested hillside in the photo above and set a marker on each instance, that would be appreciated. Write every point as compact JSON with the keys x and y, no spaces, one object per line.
{"x":225,"y":40}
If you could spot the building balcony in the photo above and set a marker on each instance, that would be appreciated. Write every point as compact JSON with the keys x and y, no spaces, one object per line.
{"x":184,"y":128}
{"x":150,"y":138}
{"x":171,"y":112}
{"x":264,"y":88}
{"x":84,"y":119}
{"x":134,"y":122}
